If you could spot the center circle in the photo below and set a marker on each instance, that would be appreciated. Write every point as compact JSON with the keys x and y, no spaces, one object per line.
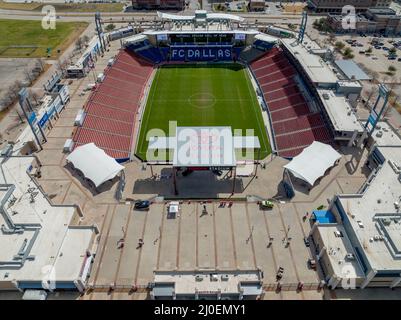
{"x":202,"y":100}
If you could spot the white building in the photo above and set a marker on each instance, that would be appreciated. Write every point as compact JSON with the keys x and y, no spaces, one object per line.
{"x":369,"y":221}
{"x":39,"y":246}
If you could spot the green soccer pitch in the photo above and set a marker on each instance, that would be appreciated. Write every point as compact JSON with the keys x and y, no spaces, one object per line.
{"x":203,"y":95}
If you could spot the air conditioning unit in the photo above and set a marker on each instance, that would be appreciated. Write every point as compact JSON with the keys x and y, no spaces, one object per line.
{"x":350,"y":256}
{"x":224,"y":277}
{"x":214,"y":277}
{"x":68,"y":145}
{"x":198,"y":278}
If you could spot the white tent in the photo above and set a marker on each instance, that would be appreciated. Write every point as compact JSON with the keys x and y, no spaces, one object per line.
{"x":94,"y":163}
{"x":313,"y":162}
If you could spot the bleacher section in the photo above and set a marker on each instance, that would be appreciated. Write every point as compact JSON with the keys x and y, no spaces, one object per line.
{"x":295,"y":126}
{"x":111,"y":109}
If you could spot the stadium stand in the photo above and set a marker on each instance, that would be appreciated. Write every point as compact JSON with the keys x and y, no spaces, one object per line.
{"x":112,"y":107}
{"x":295,"y":126}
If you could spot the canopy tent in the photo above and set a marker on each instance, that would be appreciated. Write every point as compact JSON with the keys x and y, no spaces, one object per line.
{"x":94,"y":163}
{"x":313,"y":162}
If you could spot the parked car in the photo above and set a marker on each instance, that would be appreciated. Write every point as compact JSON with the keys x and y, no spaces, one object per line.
{"x":374,"y":57}
{"x":173,"y":209}
{"x":392,"y":58}
{"x":266,"y":204}
{"x":312,"y":263}
{"x":142,"y":205}
{"x":359,"y":44}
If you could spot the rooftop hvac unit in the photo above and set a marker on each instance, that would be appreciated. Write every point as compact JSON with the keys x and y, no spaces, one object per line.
{"x":214,"y":277}
{"x":198,"y":278}
{"x":79,"y":119}
{"x":350,"y":256}
{"x":224,"y":277}
{"x":68,"y":145}
{"x":100,"y":77}
{"x":326,"y":96}
{"x":379,"y":134}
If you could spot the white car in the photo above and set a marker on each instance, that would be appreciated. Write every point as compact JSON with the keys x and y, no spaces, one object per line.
{"x":173,"y":209}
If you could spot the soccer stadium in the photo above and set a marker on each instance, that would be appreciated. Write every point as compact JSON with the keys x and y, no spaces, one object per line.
{"x":202,"y":157}
{"x":201,"y":70}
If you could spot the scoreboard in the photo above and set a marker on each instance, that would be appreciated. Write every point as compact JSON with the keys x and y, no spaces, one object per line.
{"x":201,"y":37}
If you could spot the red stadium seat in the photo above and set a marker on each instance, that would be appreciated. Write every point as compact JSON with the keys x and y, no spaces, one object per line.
{"x":112,"y":107}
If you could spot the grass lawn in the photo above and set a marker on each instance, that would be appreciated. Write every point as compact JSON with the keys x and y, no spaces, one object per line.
{"x":35,"y":39}
{"x":88,"y":7}
{"x":65,"y":7}
{"x":19,"y":6}
{"x":203,"y":95}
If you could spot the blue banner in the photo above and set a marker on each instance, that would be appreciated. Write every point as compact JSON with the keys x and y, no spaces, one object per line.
{"x":204,"y":53}
{"x":32,"y":117}
{"x":44,"y":119}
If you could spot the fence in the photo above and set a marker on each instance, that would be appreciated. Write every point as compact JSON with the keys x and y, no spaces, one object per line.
{"x":291,"y":286}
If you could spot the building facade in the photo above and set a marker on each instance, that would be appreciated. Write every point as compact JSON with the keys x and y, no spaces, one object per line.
{"x":336,"y":6}
{"x":384,"y":21}
{"x":363,"y":247}
{"x":158,"y":4}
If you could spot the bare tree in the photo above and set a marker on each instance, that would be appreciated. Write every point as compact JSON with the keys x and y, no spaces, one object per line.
{"x":79,"y":44}
{"x":34,"y":96}
{"x":39,"y":64}
{"x":29,"y":77}
{"x":85,"y":38}
{"x":14,"y":88}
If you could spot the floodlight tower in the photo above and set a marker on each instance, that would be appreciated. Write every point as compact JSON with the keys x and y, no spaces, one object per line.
{"x":302,"y":28}
{"x":376,"y":113}
{"x":99,"y":31}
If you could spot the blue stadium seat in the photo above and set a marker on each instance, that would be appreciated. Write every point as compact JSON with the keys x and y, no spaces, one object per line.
{"x":201,"y":53}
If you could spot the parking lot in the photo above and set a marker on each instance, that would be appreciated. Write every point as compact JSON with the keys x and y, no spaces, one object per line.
{"x":376,"y":64}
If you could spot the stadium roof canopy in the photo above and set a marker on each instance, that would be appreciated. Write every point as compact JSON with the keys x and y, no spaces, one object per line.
{"x":265,"y":37}
{"x":351,"y":70}
{"x":204,"y":146}
{"x":209,"y":16}
{"x":94,"y":163}
{"x":313,"y":162}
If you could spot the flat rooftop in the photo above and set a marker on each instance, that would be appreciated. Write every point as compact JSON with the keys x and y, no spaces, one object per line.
{"x":317,"y":70}
{"x":337,"y":249}
{"x":366,"y":211}
{"x":351,"y":70}
{"x":339,"y":110}
{"x":385,"y":136}
{"x":212,"y":281}
{"x":51,"y":241}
